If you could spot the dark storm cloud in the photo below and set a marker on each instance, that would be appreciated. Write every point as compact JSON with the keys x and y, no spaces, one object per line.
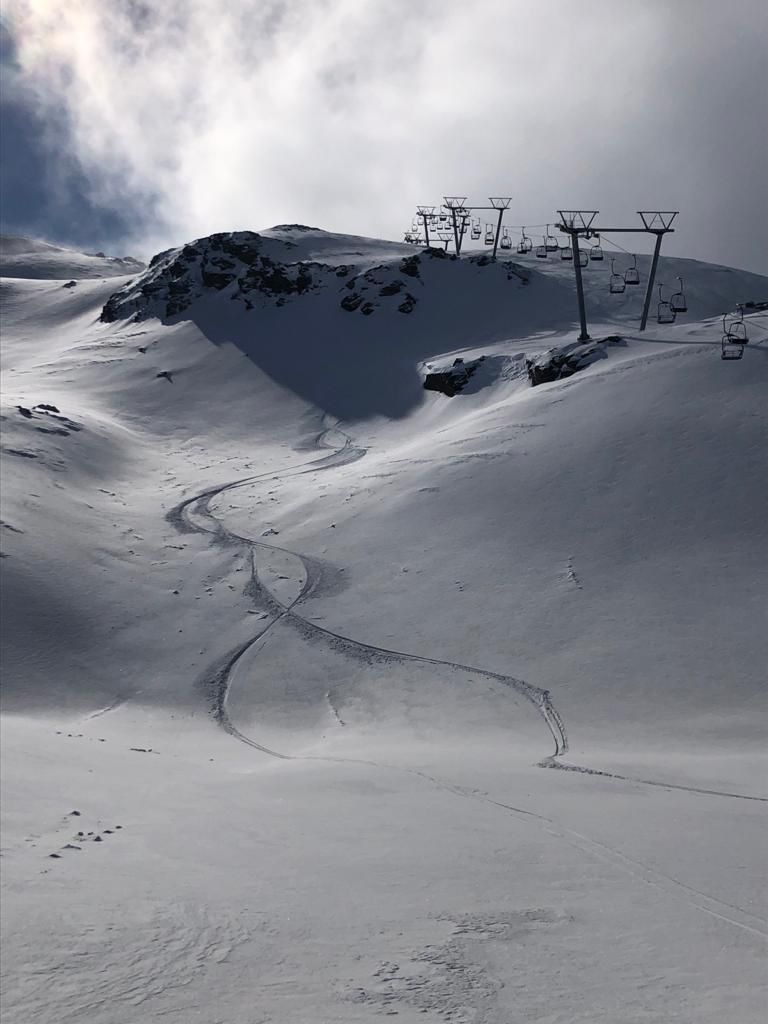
{"x":43,"y":190}
{"x":185,"y":119}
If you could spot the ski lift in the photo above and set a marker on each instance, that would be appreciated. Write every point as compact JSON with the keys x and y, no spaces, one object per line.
{"x":664,"y":314}
{"x":506,"y":241}
{"x":616,"y":284}
{"x":596,"y":251}
{"x":489,"y":234}
{"x":541,"y":250}
{"x":566,"y":252}
{"x":525,"y":244}
{"x":677,"y":302}
{"x":734,"y":338}
{"x":632,"y":274}
{"x":730,"y":349}
{"x":736,"y":329}
{"x":550,"y":242}
{"x":476,"y":229}
{"x":583,"y":258}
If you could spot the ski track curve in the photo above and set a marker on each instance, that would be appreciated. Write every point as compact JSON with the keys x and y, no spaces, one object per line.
{"x":193,"y":515}
{"x":181,"y":516}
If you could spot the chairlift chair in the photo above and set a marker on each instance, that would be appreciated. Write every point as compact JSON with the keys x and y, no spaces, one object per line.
{"x":734,"y":337}
{"x":541,"y":251}
{"x":664,"y":312}
{"x":616,"y":283}
{"x":566,"y":252}
{"x":736,"y":330}
{"x":550,"y":242}
{"x":596,"y":251}
{"x":730,"y":349}
{"x":506,"y":241}
{"x":525,"y":244}
{"x":632,"y":274}
{"x":583,"y":258}
{"x":677,"y":302}
{"x":476,"y":229}
{"x":489,"y":233}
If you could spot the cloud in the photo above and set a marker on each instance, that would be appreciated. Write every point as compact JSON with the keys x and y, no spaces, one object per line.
{"x":205,"y":116}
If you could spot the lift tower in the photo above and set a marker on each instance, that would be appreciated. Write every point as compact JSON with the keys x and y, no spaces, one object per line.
{"x":581,"y":223}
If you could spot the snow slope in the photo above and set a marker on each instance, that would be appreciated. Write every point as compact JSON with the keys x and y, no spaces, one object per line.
{"x":314,"y":638}
{"x":31,"y":258}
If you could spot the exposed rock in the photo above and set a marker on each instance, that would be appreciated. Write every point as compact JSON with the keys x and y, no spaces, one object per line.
{"x":453,"y":379}
{"x":392,"y":288}
{"x":227,"y":261}
{"x":351,"y":302}
{"x":557,"y":363}
{"x":410,"y":265}
{"x":408,"y":304}
{"x":367,"y":308}
{"x":435,"y":253}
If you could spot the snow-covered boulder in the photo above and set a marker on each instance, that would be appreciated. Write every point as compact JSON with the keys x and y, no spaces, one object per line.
{"x":556,"y":363}
{"x":452,"y":379}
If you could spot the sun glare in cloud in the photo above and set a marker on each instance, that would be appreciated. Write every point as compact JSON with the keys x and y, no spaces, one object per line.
{"x":202,"y":116}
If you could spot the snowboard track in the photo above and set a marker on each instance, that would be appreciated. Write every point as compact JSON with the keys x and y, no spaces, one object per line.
{"x":193,"y":515}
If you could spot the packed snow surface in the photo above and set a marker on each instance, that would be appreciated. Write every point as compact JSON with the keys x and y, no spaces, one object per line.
{"x":328,"y":697}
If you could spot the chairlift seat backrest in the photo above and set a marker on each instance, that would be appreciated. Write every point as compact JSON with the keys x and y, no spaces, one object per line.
{"x":737,"y":332}
{"x":631,"y":276}
{"x":566,"y":253}
{"x":678,"y":299}
{"x":596,"y":253}
{"x":616,"y":282}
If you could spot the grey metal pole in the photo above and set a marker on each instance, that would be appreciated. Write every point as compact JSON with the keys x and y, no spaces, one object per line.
{"x":651,"y":279}
{"x":424,"y":217}
{"x":584,"y":336}
{"x":456,"y":241}
{"x":498,"y":232}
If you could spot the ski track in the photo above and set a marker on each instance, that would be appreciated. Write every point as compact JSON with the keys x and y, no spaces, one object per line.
{"x":193,"y":515}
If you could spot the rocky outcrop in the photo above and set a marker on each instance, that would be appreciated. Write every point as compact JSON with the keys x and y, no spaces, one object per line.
{"x":452,"y":379}
{"x":557,"y":363}
{"x":233,"y":261}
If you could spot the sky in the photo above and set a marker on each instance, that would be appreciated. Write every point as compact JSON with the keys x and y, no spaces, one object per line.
{"x":135,"y":125}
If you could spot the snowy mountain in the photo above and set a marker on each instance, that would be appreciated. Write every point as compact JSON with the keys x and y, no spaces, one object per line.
{"x":295,"y":639}
{"x":31,"y":258}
